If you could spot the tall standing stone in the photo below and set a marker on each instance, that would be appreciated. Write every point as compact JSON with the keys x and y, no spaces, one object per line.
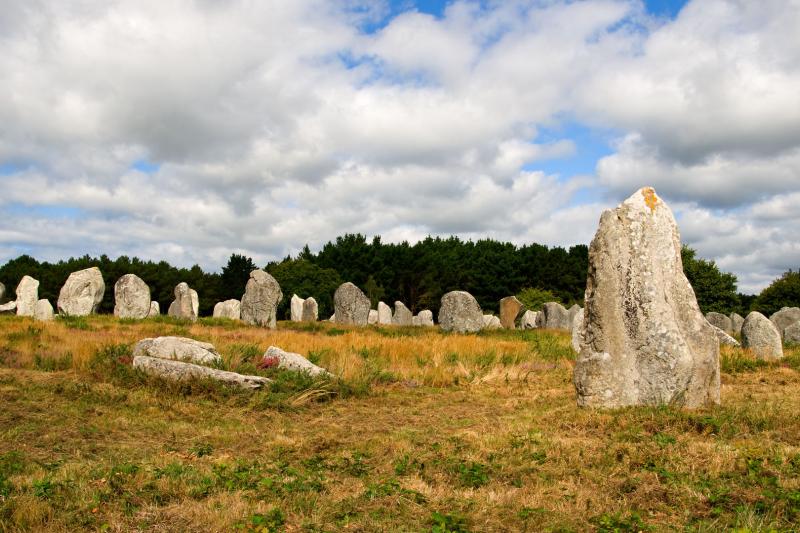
{"x":183,"y":306}
{"x":554,"y":316}
{"x":351,"y":306}
{"x":402,"y":315}
{"x":131,"y":297}
{"x":721,"y":321}
{"x":646,"y":341}
{"x":296,"y":308}
{"x":310,"y":310}
{"x":736,"y":323}
{"x":511,"y":310}
{"x":761,"y":336}
{"x":785,"y":318}
{"x":260,"y":301}
{"x":43,"y":311}
{"x":460,"y":312}
{"x":231,"y":309}
{"x":27,"y":296}
{"x":384,"y":313}
{"x":82,"y":292}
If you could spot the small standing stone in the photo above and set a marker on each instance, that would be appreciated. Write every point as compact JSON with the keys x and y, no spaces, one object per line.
{"x":228,"y":309}
{"x":577,"y":330}
{"x":27,"y":296}
{"x":792,"y":334}
{"x":720,"y":321}
{"x":491,"y":322}
{"x":131,"y":297}
{"x":511,"y":310}
{"x":736,"y":323}
{"x":155,"y":309}
{"x":43,"y":311}
{"x":2,"y":291}
{"x":402,"y":315}
{"x":384,"y":314}
{"x":351,"y":306}
{"x":373,"y":317}
{"x":460,"y":312}
{"x":82,"y":292}
{"x":296,"y":308}
{"x":761,"y":336}
{"x":310,"y":310}
{"x":554,"y":316}
{"x":529,"y":320}
{"x":183,"y":305}
{"x":195,"y":302}
{"x":785,"y":318}
{"x":425,"y":317}
{"x":260,"y":300}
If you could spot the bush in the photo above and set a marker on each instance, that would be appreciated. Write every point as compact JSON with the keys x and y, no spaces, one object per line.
{"x":534,"y":298}
{"x":783,"y":292}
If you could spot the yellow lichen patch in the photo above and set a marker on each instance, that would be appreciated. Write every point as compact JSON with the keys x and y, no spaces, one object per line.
{"x":650,"y":197}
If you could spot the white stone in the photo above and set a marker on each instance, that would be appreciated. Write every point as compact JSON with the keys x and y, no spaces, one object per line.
{"x":131,"y":297}
{"x":228,"y":309}
{"x":384,"y":314}
{"x":402,"y":315}
{"x":786,"y":317}
{"x":761,"y":336}
{"x":460,"y":312}
{"x":555,"y":316}
{"x":425,"y":317}
{"x":351,"y":305}
{"x":529,"y":320}
{"x":180,"y":371}
{"x":292,"y":361}
{"x":10,"y":307}
{"x":310,"y":310}
{"x":260,"y":301}
{"x":183,"y":304}
{"x":43,"y":311}
{"x":720,"y":321}
{"x":491,"y":322}
{"x":724,"y":338}
{"x":195,"y":302}
{"x":577,"y":330}
{"x":373,"y":317}
{"x":27,"y":296}
{"x":82,"y":293}
{"x":178,"y":348}
{"x":155,"y":309}
{"x":296,"y":308}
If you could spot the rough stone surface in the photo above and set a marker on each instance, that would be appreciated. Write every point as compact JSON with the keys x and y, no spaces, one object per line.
{"x":260,"y":300}
{"x":554,"y":316}
{"x":182,"y":306}
{"x":274,"y":356}
{"x":645,"y":340}
{"x":179,"y":348}
{"x":511,"y":310}
{"x":373,"y":317}
{"x":402,"y":315}
{"x":131,"y":297}
{"x":351,"y":306}
{"x":577,"y":330}
{"x":228,"y":309}
{"x":491,"y":322}
{"x":10,"y":307}
{"x":785,"y":318}
{"x":296,"y":308}
{"x":384,"y":313}
{"x":43,"y":311}
{"x":180,"y":371}
{"x":460,"y":312}
{"x":736,"y":323}
{"x":27,"y":296}
{"x":2,"y":291}
{"x":425,"y":317}
{"x":415,"y":321}
{"x":720,"y":321}
{"x":528,"y":320}
{"x":724,"y":338}
{"x":310,"y":310}
{"x":791,"y":335}
{"x":572,"y":311}
{"x":82,"y":292}
{"x":761,"y":336}
{"x":195,"y":302}
{"x":155,"y":309}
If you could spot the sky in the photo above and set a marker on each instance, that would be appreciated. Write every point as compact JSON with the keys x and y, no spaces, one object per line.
{"x":187,"y":130}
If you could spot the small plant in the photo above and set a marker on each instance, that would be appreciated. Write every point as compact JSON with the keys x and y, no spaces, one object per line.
{"x":473,"y":474}
{"x":617,"y":523}
{"x":269,"y":522}
{"x":75,"y":322}
{"x":448,"y":523}
{"x":52,"y":364}
{"x":201,"y":449}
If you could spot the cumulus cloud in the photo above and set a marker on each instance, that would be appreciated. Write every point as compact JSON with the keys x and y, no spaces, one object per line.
{"x":270,"y":125}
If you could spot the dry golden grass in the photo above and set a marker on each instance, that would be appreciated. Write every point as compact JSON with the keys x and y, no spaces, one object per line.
{"x":475,"y":433}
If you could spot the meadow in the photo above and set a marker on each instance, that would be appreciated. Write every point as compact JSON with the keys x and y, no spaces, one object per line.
{"x":421,"y":431}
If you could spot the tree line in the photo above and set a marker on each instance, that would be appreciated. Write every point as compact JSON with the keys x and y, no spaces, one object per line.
{"x":416,"y":274}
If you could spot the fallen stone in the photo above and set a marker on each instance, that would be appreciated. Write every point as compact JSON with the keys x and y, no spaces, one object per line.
{"x":577,"y":330}
{"x":645,"y":340}
{"x":554,"y":316}
{"x":310,"y":310}
{"x":720,"y":321}
{"x":183,"y":305}
{"x":7,"y":308}
{"x":724,"y":338}
{"x":178,"y":348}
{"x":82,"y":293}
{"x":511,"y":310}
{"x":43,"y":311}
{"x":785,"y":318}
{"x":274,"y":356}
{"x":491,"y":322}
{"x":460,"y":312}
{"x":425,"y":317}
{"x":384,"y":314}
{"x":27,"y":296}
{"x":296,"y":308}
{"x":351,"y":306}
{"x":761,"y":336}
{"x":228,"y":309}
{"x":260,"y":300}
{"x":180,"y":371}
{"x":402,"y":315}
{"x":131,"y":297}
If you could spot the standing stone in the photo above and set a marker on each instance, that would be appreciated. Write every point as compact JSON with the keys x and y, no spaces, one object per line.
{"x":511,"y":310}
{"x":402,"y":315}
{"x":761,"y":336}
{"x":27,"y":296}
{"x":82,"y":293}
{"x":491,"y":322}
{"x":2,"y":291}
{"x":228,"y":309}
{"x":351,"y":306}
{"x":155,"y":309}
{"x":43,"y":311}
{"x":415,"y":321}
{"x":529,"y":320}
{"x":131,"y":297}
{"x":577,"y":330}
{"x":260,"y":301}
{"x":736,"y":323}
{"x":554,"y":316}
{"x":721,"y":321}
{"x":785,"y":318}
{"x":425,"y":317}
{"x":310,"y":310}
{"x":183,"y":306}
{"x":296,"y":308}
{"x":384,"y":313}
{"x":572,"y":312}
{"x":791,"y":335}
{"x":195,"y":302}
{"x":460,"y":312}
{"x":646,"y":341}
{"x":373,"y":317}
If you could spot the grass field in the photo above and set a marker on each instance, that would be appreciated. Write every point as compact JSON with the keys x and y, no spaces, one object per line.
{"x":423,"y":432}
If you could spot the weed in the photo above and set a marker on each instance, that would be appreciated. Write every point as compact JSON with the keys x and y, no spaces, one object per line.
{"x":52,"y":364}
{"x":269,"y":522}
{"x":448,"y":523}
{"x":473,"y":474}
{"x":618,"y":523}
{"x":75,"y":322}
{"x":201,"y":449}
